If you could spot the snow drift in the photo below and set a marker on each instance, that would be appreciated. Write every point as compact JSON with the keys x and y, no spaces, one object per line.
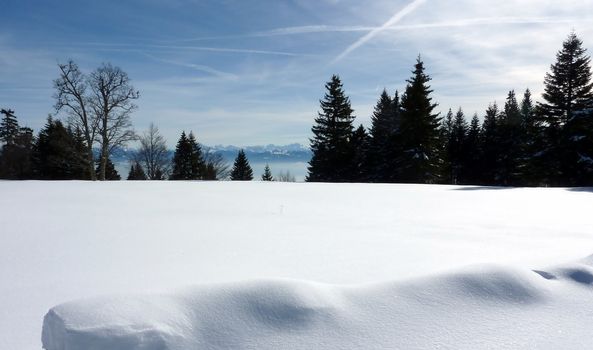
{"x":479,"y":308}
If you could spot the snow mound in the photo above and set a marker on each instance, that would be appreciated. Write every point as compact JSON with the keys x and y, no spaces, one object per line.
{"x":477,"y":308}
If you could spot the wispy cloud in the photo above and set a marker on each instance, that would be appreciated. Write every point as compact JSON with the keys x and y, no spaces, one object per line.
{"x":147,"y":47}
{"x":392,"y":21}
{"x":198,"y":67}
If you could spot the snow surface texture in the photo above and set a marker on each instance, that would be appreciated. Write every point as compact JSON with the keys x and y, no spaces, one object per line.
{"x":485,"y":308}
{"x":78,"y":240}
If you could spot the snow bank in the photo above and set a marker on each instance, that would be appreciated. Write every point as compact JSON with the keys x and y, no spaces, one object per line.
{"x":479,"y":308}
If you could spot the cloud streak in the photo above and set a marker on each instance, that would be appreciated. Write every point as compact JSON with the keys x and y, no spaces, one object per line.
{"x":198,"y":67}
{"x":373,"y":33}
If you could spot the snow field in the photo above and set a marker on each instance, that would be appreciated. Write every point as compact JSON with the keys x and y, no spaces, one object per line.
{"x":78,"y":240}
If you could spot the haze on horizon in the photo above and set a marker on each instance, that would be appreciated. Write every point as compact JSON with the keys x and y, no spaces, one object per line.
{"x":249,"y":72}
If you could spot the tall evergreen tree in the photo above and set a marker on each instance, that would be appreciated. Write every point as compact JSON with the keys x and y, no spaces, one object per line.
{"x":188,"y":161}
{"x":473,"y":153}
{"x":490,"y":146}
{"x":241,"y":169}
{"x":111,"y":173}
{"x":17,"y":148}
{"x":332,"y":132}
{"x":510,"y":138}
{"x":9,"y":126}
{"x":568,"y":95}
{"x":267,"y":175}
{"x":383,"y":139}
{"x":456,"y":147}
{"x":360,"y":145}
{"x":136,"y":172}
{"x":420,"y":159}
{"x":59,"y":153}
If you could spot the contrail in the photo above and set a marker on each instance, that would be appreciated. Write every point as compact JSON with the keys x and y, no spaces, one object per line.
{"x":393,"y":20}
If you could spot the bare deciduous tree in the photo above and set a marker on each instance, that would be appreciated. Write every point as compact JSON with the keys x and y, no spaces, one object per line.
{"x":216,"y":167}
{"x":285,"y":177}
{"x":112,"y":98}
{"x":71,"y":95}
{"x":153,"y":155}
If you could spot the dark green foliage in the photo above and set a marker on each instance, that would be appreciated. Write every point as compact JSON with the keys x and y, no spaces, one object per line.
{"x":456,"y":148}
{"x":17,"y":148}
{"x":267,"y":175}
{"x":188,"y":163}
{"x":490,"y":146}
{"x":382,"y":139}
{"x":332,"y":132}
{"x":59,"y":153}
{"x":568,"y":95}
{"x":360,"y":145}
{"x":241,"y":169}
{"x":567,"y":86}
{"x":420,"y":158}
{"x":511,"y":139}
{"x":473,"y":153}
{"x":9,"y":127}
{"x":136,"y":172}
{"x":110,"y":173}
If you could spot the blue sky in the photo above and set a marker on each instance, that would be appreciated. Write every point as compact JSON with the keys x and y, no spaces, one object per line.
{"x":248,"y":72}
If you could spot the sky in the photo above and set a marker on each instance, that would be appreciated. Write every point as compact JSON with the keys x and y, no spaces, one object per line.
{"x":251,"y":72}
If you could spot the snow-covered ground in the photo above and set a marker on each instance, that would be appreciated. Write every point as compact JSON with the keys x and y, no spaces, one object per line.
{"x":177,"y":265}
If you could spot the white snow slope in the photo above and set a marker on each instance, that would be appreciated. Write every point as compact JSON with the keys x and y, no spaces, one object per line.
{"x":293,"y":266}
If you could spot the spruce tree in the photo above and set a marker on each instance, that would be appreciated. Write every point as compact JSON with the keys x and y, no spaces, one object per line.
{"x":473,"y":153}
{"x":9,"y":126}
{"x":111,"y":173}
{"x":360,"y":145}
{"x":267,"y":175}
{"x":241,"y":169}
{"x":136,"y":172}
{"x":456,"y":147}
{"x":58,"y":153}
{"x":420,"y":159}
{"x":490,"y":146}
{"x":568,"y":95}
{"x":567,"y":86}
{"x":196,"y":158}
{"x":17,"y":148}
{"x":382,"y":139}
{"x":510,"y":138}
{"x":332,"y":132}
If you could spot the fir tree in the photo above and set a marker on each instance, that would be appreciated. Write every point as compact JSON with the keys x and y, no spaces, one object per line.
{"x":58,"y":153}
{"x":490,"y":146}
{"x":567,"y":86}
{"x":457,"y":152}
{"x":360,"y":145}
{"x":332,"y":132}
{"x":241,"y":169}
{"x":136,"y":172}
{"x":568,"y":95}
{"x":111,"y":173}
{"x":188,"y":161}
{"x":17,"y":148}
{"x":510,"y":138}
{"x":473,"y":153}
{"x":9,"y":126}
{"x":420,"y":160}
{"x":382,"y":139}
{"x":267,"y":175}
{"x":197,"y":160}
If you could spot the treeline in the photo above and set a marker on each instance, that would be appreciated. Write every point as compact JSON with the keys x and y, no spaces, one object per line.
{"x":59,"y":152}
{"x":98,"y":107}
{"x":521,"y":143}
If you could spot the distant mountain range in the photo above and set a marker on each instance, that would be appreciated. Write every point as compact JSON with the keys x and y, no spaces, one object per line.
{"x":267,"y":153}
